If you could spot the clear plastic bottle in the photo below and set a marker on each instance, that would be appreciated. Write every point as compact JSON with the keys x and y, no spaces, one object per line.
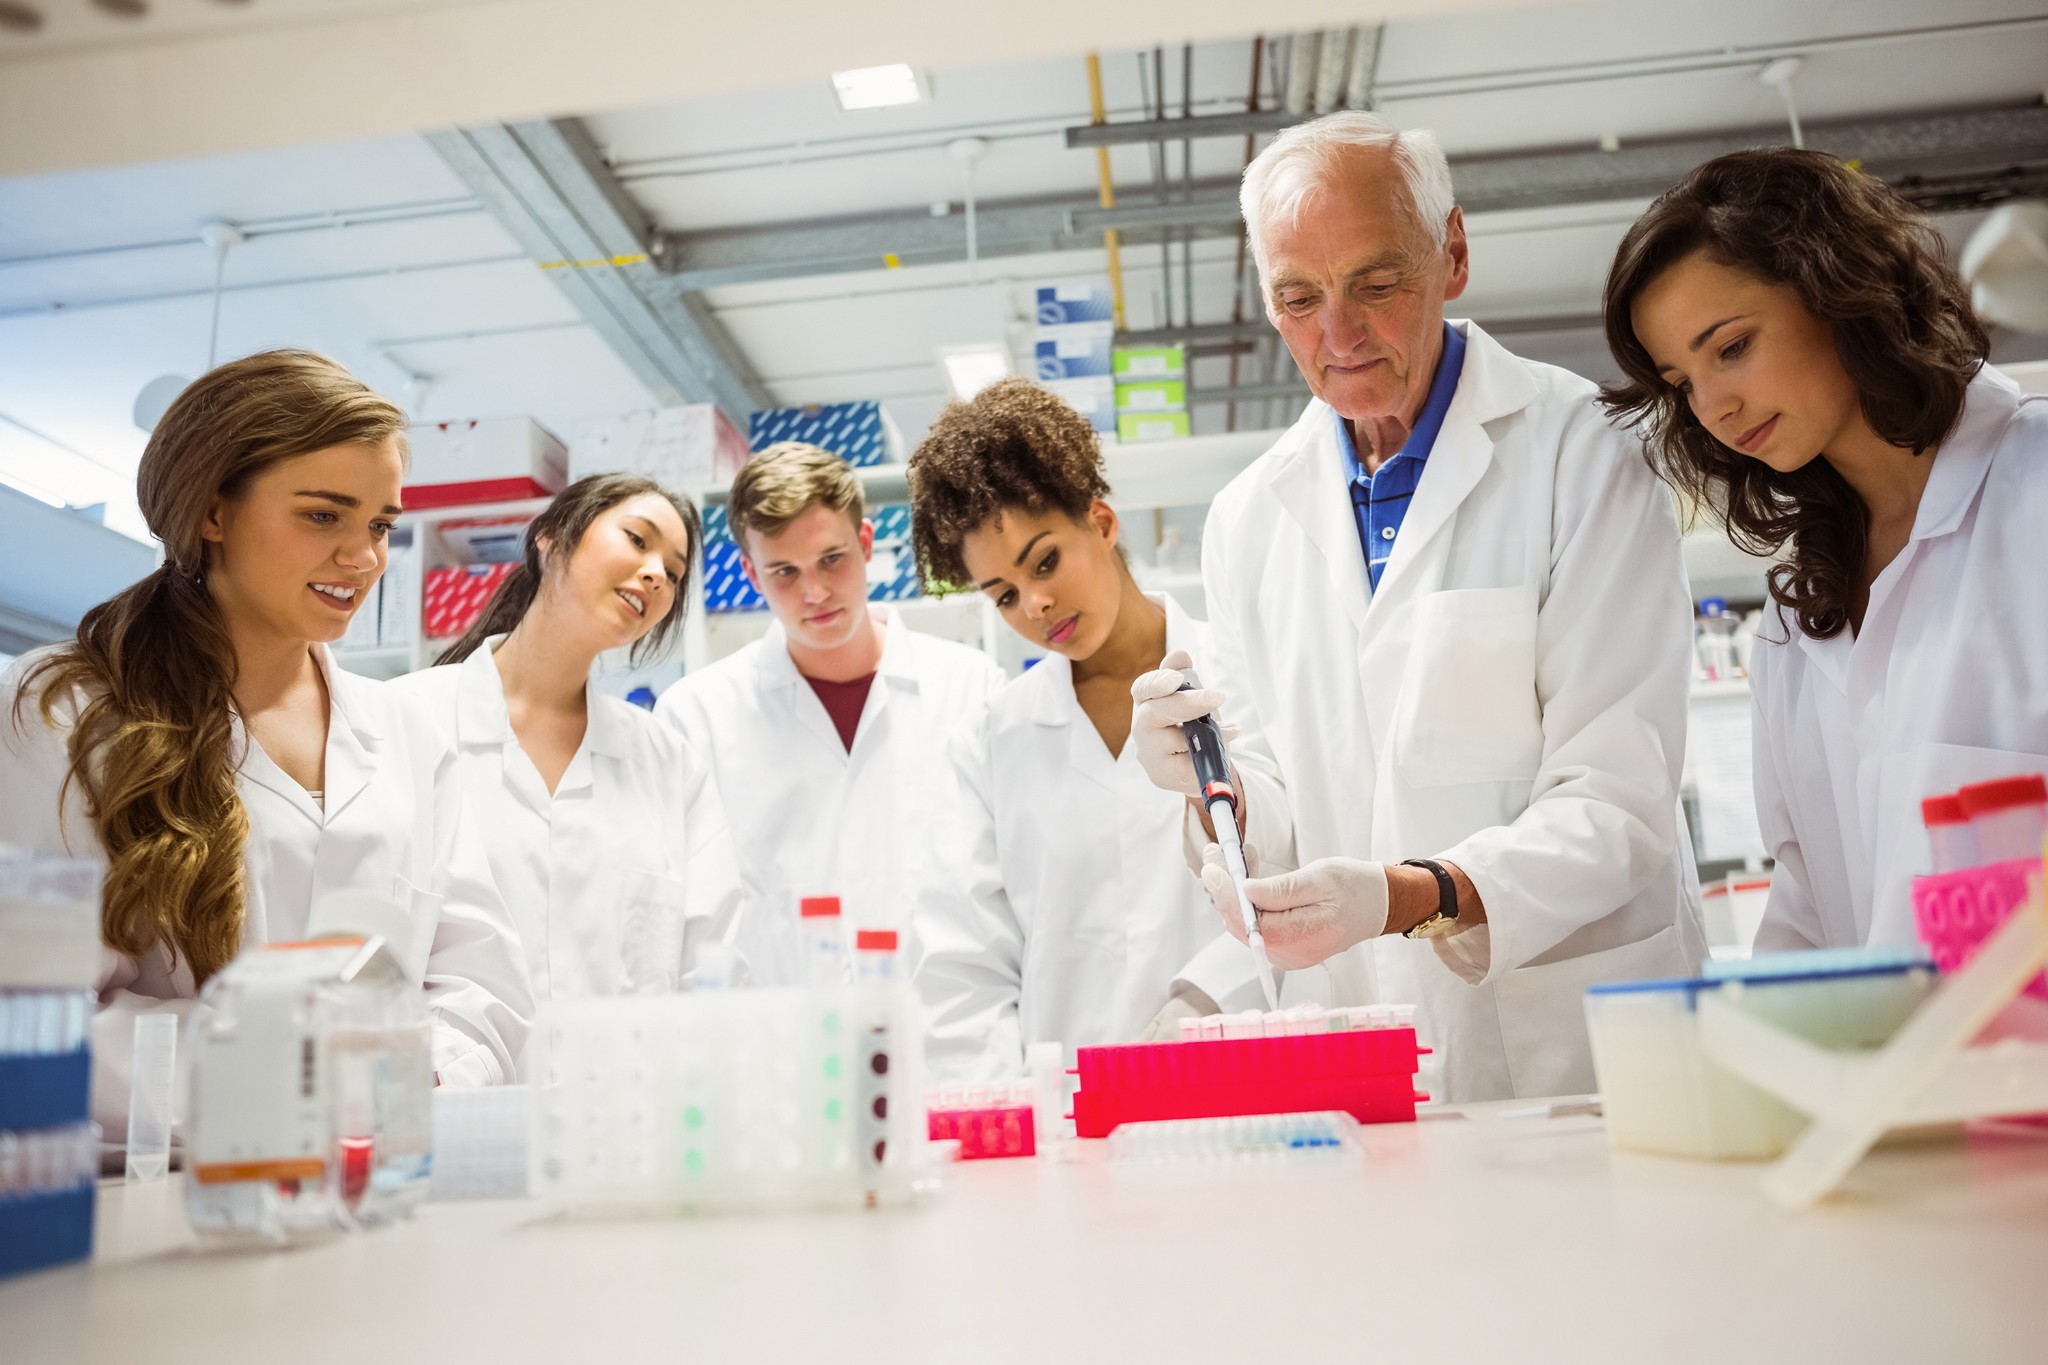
{"x":1714,"y":641}
{"x":824,"y":941}
{"x":312,"y":1083}
{"x":1949,"y":834}
{"x":874,"y":955}
{"x":2008,"y":817}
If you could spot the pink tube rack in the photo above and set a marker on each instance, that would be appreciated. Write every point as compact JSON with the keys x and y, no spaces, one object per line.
{"x":1368,"y":1073}
{"x":1956,"y":911}
{"x":999,"y":1125}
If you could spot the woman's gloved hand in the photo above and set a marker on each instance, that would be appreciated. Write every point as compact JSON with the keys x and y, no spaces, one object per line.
{"x":1159,"y":708}
{"x":1307,"y":915}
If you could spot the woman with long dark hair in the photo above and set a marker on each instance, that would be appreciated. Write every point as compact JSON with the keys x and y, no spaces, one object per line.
{"x":1804,"y":362}
{"x":198,"y":737}
{"x":592,"y":809}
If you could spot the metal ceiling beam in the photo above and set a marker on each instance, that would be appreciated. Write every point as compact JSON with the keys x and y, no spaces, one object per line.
{"x":1940,"y":161}
{"x":547,"y":185}
{"x":1203,"y":333}
{"x":1174,"y":129}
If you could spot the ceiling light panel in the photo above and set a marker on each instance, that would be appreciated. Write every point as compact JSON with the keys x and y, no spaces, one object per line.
{"x":878,"y":87}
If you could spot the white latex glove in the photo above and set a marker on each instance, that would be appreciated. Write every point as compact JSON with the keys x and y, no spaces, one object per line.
{"x":1186,"y":1002}
{"x":1159,"y":708}
{"x":1308,"y":915}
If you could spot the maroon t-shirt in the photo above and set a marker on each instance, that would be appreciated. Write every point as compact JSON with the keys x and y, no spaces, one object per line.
{"x":844,"y":701}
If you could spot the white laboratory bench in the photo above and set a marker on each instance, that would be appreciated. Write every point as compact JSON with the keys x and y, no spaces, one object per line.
{"x":1467,"y":1237}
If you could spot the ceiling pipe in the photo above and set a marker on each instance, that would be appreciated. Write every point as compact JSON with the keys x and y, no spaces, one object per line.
{"x":1106,"y":191}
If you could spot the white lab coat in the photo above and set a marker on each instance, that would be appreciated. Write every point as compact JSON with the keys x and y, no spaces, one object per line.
{"x":393,"y":821}
{"x":1946,"y":684}
{"x":1070,"y":911}
{"x":1511,"y":700}
{"x":807,"y":817}
{"x":594,"y":873}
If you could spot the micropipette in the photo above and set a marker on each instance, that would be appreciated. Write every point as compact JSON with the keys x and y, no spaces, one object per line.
{"x":1219,"y":798}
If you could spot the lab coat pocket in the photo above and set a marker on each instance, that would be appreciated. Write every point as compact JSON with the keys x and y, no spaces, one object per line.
{"x":1542,"y":1010}
{"x":1467,"y":710}
{"x":650,"y":947}
{"x":424,"y":908}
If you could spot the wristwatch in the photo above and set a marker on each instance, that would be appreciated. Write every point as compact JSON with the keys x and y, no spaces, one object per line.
{"x":1445,"y":920}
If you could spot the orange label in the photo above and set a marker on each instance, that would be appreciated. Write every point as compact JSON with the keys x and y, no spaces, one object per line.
{"x":234,"y":1172}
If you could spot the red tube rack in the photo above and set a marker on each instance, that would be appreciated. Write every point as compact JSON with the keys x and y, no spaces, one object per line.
{"x":1367,"y":1073}
{"x":984,"y":1131}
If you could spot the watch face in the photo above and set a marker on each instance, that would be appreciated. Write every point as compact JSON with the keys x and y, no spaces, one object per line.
{"x":1436,"y":926}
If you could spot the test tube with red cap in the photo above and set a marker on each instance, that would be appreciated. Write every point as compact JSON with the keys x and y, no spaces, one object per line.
{"x":824,"y":941}
{"x":2009,"y":817}
{"x":1949,"y":833}
{"x":874,"y":955}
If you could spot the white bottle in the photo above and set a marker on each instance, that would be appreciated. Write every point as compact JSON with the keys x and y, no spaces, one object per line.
{"x":1714,"y":641}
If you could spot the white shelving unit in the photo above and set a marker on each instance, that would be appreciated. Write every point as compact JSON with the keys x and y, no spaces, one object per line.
{"x":420,"y":535}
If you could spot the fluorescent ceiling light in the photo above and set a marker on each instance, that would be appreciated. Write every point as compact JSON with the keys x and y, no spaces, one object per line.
{"x":970,"y":369}
{"x":877,"y":87}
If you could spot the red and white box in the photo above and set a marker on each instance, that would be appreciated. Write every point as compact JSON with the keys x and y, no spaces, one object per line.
{"x":455,"y":597}
{"x":685,"y":448}
{"x":497,"y":459}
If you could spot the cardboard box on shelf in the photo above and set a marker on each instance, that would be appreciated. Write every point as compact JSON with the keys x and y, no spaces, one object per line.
{"x":1132,"y":363}
{"x":1151,"y":426}
{"x":454,"y":597}
{"x":686,"y":447}
{"x":496,"y":459}
{"x":1152,"y":395}
{"x":1072,"y":357}
{"x":1073,"y":302}
{"x":485,"y":540}
{"x":1094,"y":399}
{"x":860,"y":433}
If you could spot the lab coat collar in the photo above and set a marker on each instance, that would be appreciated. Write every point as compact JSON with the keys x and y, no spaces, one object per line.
{"x":898,"y":664}
{"x":1964,"y":459}
{"x":483,"y":719}
{"x":1052,"y":677}
{"x":355,"y":731}
{"x":1493,"y":384}
{"x":1308,"y":480}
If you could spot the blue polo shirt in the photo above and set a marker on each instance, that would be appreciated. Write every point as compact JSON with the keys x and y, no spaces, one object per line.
{"x":1380,"y":499}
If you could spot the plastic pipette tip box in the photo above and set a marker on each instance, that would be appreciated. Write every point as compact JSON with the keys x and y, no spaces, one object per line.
{"x":1362,"y":1062}
{"x":1262,"y":1139}
{"x":1956,"y":911}
{"x":986,"y":1122}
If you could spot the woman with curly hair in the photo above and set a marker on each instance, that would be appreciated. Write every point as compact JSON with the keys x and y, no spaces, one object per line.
{"x":1071,"y":914}
{"x":197,"y":736}
{"x":1804,"y":362}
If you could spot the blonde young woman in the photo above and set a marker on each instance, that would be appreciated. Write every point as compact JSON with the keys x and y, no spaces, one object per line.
{"x":592,"y":809}
{"x":198,"y":736}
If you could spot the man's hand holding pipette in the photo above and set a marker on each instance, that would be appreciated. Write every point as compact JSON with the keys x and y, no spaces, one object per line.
{"x":1305,"y":916}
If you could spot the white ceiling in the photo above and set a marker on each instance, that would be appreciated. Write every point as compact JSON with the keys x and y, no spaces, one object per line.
{"x":372,"y":251}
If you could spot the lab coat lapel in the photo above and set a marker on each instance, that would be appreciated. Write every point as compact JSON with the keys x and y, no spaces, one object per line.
{"x":1493,"y":385}
{"x":354,"y":736}
{"x":1308,"y":481}
{"x":784,"y":689}
{"x":1056,"y":705}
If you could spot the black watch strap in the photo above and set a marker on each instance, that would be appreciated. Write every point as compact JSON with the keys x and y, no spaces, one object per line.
{"x":1446,"y":889}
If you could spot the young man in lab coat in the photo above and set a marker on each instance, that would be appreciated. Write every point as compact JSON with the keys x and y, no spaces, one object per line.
{"x":826,"y":739}
{"x":1451,"y":623}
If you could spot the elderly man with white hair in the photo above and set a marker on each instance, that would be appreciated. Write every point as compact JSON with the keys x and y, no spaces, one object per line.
{"x":1451,"y":627}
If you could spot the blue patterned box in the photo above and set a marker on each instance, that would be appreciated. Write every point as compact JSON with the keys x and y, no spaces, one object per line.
{"x":1072,"y":357}
{"x":858,"y":433}
{"x":892,"y":576}
{"x":1062,"y":305}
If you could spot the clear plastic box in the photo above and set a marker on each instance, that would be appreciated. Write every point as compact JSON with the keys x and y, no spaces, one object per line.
{"x":312,"y":1084}
{"x":1663,"y":1094}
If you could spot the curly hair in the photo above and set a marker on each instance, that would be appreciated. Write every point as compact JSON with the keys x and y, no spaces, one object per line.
{"x":1862,"y":261}
{"x":1013,"y":445}
{"x":152,"y":670}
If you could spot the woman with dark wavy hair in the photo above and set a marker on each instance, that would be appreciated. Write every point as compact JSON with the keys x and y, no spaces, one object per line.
{"x":1804,"y":363}
{"x":592,"y":809}
{"x":197,"y":736}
